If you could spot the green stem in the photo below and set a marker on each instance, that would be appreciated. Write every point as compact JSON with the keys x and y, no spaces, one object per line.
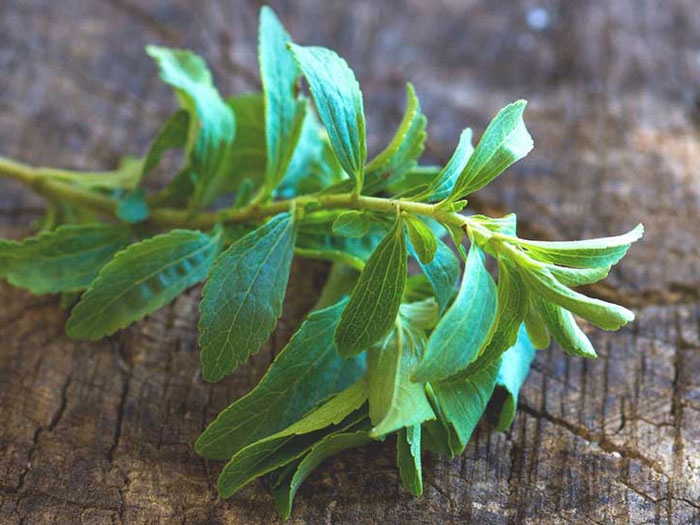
{"x":39,"y":180}
{"x":349,"y":201}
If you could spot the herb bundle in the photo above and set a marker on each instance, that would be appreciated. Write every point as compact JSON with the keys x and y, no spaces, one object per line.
{"x":266,"y":176}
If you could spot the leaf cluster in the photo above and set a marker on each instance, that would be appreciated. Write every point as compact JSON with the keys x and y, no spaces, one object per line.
{"x":384,"y":353}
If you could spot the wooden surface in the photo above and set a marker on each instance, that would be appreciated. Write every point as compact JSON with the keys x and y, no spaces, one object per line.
{"x":103,"y":432}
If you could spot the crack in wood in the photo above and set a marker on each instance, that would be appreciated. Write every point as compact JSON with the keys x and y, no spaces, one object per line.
{"x":121,"y":408}
{"x":602,"y":441}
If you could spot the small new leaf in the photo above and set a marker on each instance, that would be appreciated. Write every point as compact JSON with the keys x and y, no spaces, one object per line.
{"x":422,"y":239}
{"x":376,"y":298}
{"x":353,"y":224}
{"x":132,"y":208}
{"x":242,"y":299}
{"x":141,"y":279}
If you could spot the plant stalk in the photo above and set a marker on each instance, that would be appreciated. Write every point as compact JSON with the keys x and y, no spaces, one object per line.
{"x":40,"y":180}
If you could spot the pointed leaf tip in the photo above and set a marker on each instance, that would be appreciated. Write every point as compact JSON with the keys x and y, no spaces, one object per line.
{"x":505,"y":141}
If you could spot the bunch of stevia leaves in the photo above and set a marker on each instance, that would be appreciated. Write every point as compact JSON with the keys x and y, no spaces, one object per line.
{"x":382,"y":353}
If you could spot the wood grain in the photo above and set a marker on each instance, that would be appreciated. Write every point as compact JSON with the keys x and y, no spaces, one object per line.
{"x":103,"y":432}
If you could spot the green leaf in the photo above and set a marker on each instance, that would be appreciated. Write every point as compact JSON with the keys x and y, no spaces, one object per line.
{"x":417,"y":289}
{"x":307,"y":371}
{"x":423,"y":314}
{"x":172,"y":135}
{"x":336,"y":257}
{"x":408,"y":449}
{"x":422,"y":239}
{"x":320,"y":221}
{"x":440,"y":436}
{"x":457,"y":236}
{"x":466,"y":326}
{"x":505,"y":225}
{"x":512,"y":309}
{"x":591,"y":253}
{"x":435,"y":438}
{"x":214,"y":126}
{"x":515,"y":366}
{"x":402,"y":153}
{"x":67,"y":300}
{"x":340,"y":282}
{"x":394,"y":400}
{"x":313,"y":166}
{"x":415,"y":183}
{"x":339,"y":413}
{"x":332,"y":411}
{"x":248,"y":156}
{"x":243,"y":297}
{"x":244,"y":194}
{"x":284,"y":114}
{"x":141,"y":279}
{"x":351,"y":224}
{"x":376,"y":298}
{"x":232,"y":232}
{"x":463,"y":401}
{"x":540,"y":281}
{"x":443,"y":274}
{"x":327,"y":447}
{"x":577,"y":276}
{"x":352,"y":251}
{"x":339,"y":102}
{"x":536,"y":329}
{"x":66,"y":259}
{"x":562,"y":325}
{"x":132,"y":207}
{"x":505,"y":141}
{"x":442,"y":185}
{"x":179,"y":131}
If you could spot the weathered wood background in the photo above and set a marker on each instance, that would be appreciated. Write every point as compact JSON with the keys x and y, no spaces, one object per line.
{"x":103,"y":432}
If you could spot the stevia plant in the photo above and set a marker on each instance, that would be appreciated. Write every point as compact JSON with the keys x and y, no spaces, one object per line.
{"x":263,"y":179}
